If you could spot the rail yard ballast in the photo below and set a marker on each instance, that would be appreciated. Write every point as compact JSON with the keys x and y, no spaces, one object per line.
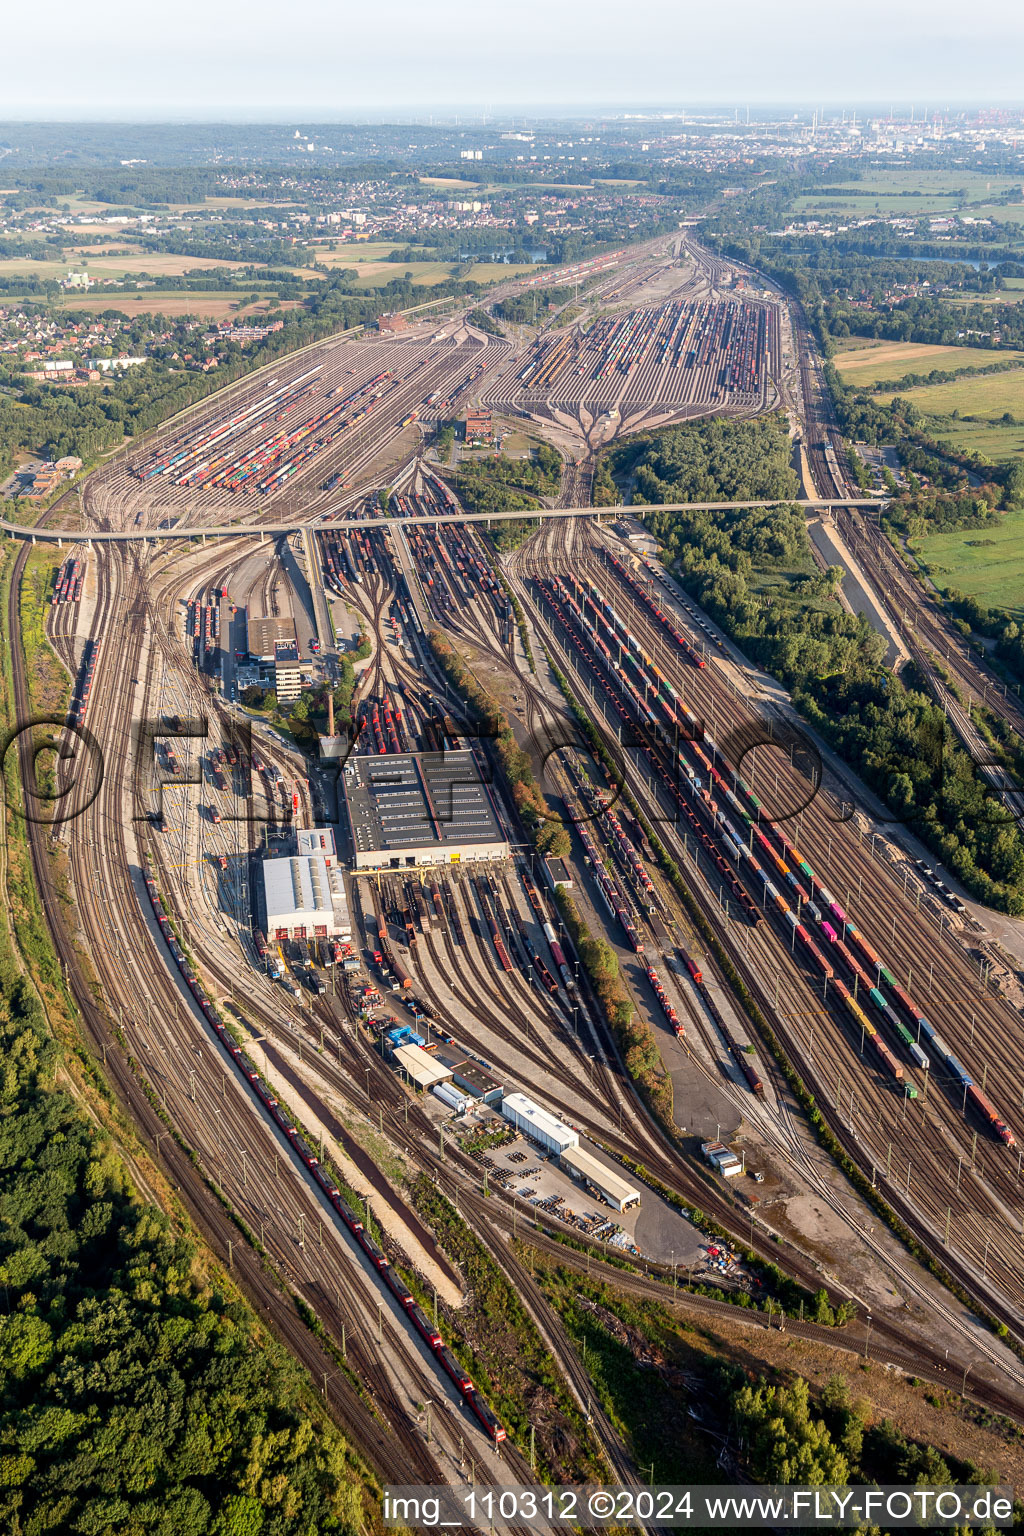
{"x":727,"y":819}
{"x":478,"y":1406}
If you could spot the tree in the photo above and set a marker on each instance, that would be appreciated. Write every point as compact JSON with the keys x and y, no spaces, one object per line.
{"x":1015,"y":483}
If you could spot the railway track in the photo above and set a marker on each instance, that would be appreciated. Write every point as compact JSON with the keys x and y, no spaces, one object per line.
{"x":521,"y":1019}
{"x":1001,"y":1183}
{"x":262,"y":1288}
{"x":767,"y":1001}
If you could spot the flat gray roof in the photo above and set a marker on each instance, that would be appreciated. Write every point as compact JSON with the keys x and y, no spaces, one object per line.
{"x":263,"y":635}
{"x":413,"y":800}
{"x":304,"y":890}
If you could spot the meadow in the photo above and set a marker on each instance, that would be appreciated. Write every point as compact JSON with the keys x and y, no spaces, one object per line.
{"x":914,"y":192}
{"x":115,"y":265}
{"x":986,"y":563}
{"x":994,"y":440}
{"x":990,"y":396}
{"x":862,"y":365}
{"x":173,"y":302}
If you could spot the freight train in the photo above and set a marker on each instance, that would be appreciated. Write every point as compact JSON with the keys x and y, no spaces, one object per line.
{"x":704,"y":778}
{"x":476,"y":1404}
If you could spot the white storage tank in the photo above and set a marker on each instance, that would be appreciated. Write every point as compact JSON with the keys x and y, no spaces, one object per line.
{"x":450,"y":1095}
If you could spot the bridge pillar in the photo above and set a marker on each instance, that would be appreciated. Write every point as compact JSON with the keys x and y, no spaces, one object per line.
{"x":60,"y":543}
{"x":33,"y":538}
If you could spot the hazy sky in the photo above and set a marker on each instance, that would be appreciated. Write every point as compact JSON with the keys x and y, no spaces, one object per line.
{"x":210,"y":59}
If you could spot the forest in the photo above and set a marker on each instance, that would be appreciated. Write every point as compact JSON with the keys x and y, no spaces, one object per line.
{"x":138,"y":1394}
{"x":789,"y":1438}
{"x":712,"y":459}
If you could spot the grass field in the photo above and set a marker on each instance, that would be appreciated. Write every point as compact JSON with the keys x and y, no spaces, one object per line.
{"x":447,"y":181}
{"x":989,"y":396}
{"x":1001,"y":213}
{"x":378,"y":274}
{"x":494,"y":271}
{"x":990,"y":300}
{"x":940,"y":192}
{"x":880,"y":361}
{"x":874,"y":202}
{"x":858,"y":344}
{"x":976,"y":184}
{"x":986,"y":563}
{"x":511,"y":186}
{"x":993,"y":439}
{"x":353,"y":254}
{"x":114,"y":248}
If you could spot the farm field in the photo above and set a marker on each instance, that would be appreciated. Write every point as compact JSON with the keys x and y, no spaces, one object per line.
{"x":996,"y":300}
{"x":975,"y":184}
{"x":862,"y":202}
{"x":173,"y":302}
{"x":912,"y":192}
{"x":1001,"y":213}
{"x":505,"y":186}
{"x":353,"y":254}
{"x":986,"y":563}
{"x":862,"y":365}
{"x":378,"y":274}
{"x":115,"y":265}
{"x":79,"y":204}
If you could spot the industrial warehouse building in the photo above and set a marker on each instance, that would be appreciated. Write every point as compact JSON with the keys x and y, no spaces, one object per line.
{"x":538,"y":1124}
{"x":584,"y":1166}
{"x":475,"y":1079}
{"x":421,"y":1067}
{"x":304,"y":894}
{"x":264,"y":634}
{"x":722,"y":1158}
{"x":411,"y":808}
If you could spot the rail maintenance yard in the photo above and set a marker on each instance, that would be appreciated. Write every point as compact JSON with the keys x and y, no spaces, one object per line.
{"x":264,"y":981}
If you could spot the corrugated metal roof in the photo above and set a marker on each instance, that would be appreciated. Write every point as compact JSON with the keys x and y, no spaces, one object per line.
{"x":586,"y":1164}
{"x":424,"y":1068}
{"x":524,"y":1109}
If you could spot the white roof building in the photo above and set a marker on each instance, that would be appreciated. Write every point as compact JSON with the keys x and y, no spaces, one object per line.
{"x":424,"y":1069}
{"x":317,"y":840}
{"x":538,"y":1124}
{"x":583,"y":1165}
{"x":305,"y":898}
